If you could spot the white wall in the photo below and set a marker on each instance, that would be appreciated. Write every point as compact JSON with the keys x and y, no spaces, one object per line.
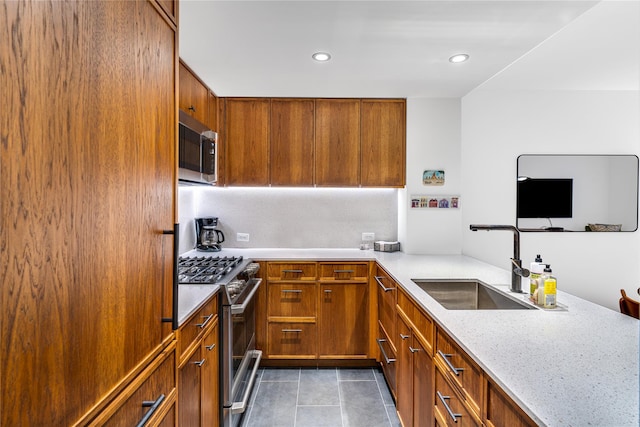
{"x":433,"y":143}
{"x":291,"y":217}
{"x":524,"y":110}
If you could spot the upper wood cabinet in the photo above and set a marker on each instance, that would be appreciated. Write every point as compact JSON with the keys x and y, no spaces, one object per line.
{"x":246,"y":140}
{"x":383,"y":144}
{"x":194,"y":96}
{"x":292,"y":142}
{"x":212,"y":112}
{"x":337,"y":127}
{"x":83,"y":256}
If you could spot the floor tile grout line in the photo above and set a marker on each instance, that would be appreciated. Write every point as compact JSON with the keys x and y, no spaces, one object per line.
{"x":340,"y":397}
{"x":382,"y":399}
{"x":295,"y":409}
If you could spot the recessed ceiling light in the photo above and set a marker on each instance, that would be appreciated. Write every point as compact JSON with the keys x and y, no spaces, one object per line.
{"x":321,"y":56}
{"x":461,"y":57}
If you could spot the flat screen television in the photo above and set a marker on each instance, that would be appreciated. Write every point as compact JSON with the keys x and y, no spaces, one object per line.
{"x":545,"y":198}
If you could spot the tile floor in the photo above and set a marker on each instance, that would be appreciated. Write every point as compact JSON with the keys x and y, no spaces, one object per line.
{"x":322,"y":397}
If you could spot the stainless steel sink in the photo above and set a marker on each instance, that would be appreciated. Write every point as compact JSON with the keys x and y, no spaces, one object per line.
{"x":469,"y":294}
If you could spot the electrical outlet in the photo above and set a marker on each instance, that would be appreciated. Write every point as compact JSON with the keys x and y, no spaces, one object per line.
{"x":242,"y":237}
{"x":368,"y":236}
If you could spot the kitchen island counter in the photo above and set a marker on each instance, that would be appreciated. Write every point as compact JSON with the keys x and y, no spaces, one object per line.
{"x":575,"y":366}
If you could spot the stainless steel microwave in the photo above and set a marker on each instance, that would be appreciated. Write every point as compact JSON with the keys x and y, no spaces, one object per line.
{"x":197,"y":152}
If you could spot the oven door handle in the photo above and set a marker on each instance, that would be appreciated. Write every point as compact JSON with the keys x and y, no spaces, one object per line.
{"x":239,"y":308}
{"x":240,"y":407}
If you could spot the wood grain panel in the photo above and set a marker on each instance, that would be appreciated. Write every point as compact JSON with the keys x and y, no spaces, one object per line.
{"x":337,"y":128}
{"x":87,"y":161}
{"x":292,"y":142}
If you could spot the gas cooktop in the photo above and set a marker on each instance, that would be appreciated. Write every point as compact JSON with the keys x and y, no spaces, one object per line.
{"x":206,"y":270}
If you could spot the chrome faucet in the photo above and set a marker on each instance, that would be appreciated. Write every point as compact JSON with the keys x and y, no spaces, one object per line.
{"x":517,"y":272}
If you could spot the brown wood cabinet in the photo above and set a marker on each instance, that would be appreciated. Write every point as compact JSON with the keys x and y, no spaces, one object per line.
{"x":449,"y":409}
{"x":246,"y":141}
{"x":292,"y":142}
{"x":386,"y":289}
{"x":198,"y":367}
{"x":194,"y":95}
{"x":212,"y":112}
{"x":500,"y":410}
{"x":337,"y":127}
{"x":383,"y":142}
{"x":88,"y":185}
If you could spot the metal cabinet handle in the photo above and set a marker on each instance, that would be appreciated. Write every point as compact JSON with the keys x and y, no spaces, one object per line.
{"x":404,"y":337}
{"x":174,"y":291}
{"x":453,"y":416}
{"x":449,"y":364}
{"x":343,"y":271}
{"x":199,"y":362}
{"x":413,"y":350}
{"x":192,"y":108}
{"x":210,"y":347}
{"x":292,"y":271}
{"x":292,"y":291}
{"x":291,"y":330}
{"x":327,"y":291}
{"x":384,"y":288}
{"x":387,"y":359}
{"x":154,"y":405}
{"x":207,"y":319}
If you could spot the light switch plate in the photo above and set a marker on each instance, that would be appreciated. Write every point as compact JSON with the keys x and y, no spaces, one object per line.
{"x":242,"y":237}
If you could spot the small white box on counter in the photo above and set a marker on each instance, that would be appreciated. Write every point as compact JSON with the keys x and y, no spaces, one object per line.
{"x":382,"y":246}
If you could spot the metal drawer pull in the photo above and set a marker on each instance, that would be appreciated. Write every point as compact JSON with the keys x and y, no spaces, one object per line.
{"x":404,"y":337}
{"x":413,"y":350}
{"x":384,"y":288}
{"x":210,"y":347}
{"x":153,"y":404}
{"x":292,"y":291}
{"x":448,"y":362}
{"x":292,"y":271}
{"x":453,"y":416}
{"x":199,"y":362}
{"x":327,"y":291}
{"x":291,"y":330}
{"x":343,"y":271}
{"x":206,"y":320}
{"x":384,"y":353}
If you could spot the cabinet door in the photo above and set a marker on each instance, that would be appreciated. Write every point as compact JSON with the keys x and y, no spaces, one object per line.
{"x":212,"y":112}
{"x":383,"y":143}
{"x":189,"y":396}
{"x":386,"y":289}
{"x":337,"y":127}
{"x":292,"y":142}
{"x":210,"y":378}
{"x":343,"y":321}
{"x":422,"y":385}
{"x":404,"y":374}
{"x":82,"y":254}
{"x":193,"y":98}
{"x":246,"y":136}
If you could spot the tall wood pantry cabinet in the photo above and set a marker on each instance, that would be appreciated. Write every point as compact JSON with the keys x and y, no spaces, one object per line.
{"x":87,"y":189}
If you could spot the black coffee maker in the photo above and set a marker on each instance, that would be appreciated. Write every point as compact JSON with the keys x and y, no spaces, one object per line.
{"x":208,"y":237}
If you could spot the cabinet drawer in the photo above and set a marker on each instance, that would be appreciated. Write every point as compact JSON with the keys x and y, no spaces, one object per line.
{"x":292,"y":300}
{"x":152,"y":394}
{"x":352,"y":272}
{"x":196,"y":325}
{"x":502,"y":411}
{"x":291,"y":271}
{"x":386,"y":289}
{"x":292,"y":340}
{"x":388,"y":360}
{"x":460,"y":369}
{"x":449,"y":409}
{"x":422,"y":323}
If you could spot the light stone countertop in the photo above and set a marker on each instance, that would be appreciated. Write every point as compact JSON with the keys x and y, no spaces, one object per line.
{"x":575,"y":367}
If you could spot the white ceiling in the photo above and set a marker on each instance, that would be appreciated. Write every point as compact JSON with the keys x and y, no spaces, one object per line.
{"x":378,"y":48}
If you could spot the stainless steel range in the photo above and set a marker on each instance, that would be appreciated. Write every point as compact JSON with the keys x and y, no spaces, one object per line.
{"x":240,"y":360}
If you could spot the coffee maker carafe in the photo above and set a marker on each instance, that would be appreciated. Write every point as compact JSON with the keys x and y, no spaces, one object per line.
{"x":208,"y":237}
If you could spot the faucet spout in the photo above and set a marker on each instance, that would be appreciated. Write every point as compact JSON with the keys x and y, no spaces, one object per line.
{"x":517,"y":272}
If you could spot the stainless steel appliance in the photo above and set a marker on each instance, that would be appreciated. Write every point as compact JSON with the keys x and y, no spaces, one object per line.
{"x":198,"y":154}
{"x":208,"y":237}
{"x":240,"y":359}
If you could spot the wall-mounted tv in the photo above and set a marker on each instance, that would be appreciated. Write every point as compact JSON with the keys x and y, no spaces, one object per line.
{"x":545,"y":198}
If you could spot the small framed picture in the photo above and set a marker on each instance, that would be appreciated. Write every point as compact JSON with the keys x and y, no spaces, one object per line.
{"x":435,"y":202}
{"x":433,"y":177}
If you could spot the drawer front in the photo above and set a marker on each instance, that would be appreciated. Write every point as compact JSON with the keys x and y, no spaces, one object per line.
{"x":292,"y":340}
{"x":350,"y":272}
{"x":196,"y":325}
{"x":292,"y":299}
{"x":449,"y":409}
{"x":388,"y":360}
{"x":387,"y":289}
{"x":460,"y":369}
{"x":157,"y":390}
{"x":291,"y":271}
{"x":502,"y":411}
{"x":423,"y":325}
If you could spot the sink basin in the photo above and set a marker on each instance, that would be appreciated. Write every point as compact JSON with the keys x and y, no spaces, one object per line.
{"x":469,"y":294}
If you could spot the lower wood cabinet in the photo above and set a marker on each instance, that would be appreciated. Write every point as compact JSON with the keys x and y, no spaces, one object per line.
{"x":500,"y":410}
{"x":449,"y":408}
{"x":292,"y":340}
